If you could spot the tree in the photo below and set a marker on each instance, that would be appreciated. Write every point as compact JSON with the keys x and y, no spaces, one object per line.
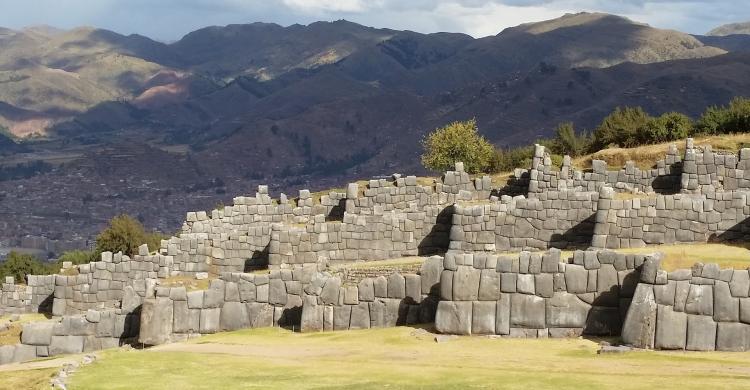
{"x":670,"y":126}
{"x":621,"y":128}
{"x":568,"y":142}
{"x":18,"y":265}
{"x":734,"y":118}
{"x":77,"y":257}
{"x":458,"y":141}
{"x":125,"y":234}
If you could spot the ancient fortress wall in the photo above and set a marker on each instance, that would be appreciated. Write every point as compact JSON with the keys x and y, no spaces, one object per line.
{"x":467,"y":289}
{"x":553,"y":219}
{"x":536,"y":294}
{"x":700,"y":309}
{"x":33,"y":297}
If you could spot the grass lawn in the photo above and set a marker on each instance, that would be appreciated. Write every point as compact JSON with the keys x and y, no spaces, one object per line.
{"x":402,"y":358}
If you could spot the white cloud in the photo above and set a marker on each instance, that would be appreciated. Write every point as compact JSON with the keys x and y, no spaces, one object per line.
{"x":318,"y":6}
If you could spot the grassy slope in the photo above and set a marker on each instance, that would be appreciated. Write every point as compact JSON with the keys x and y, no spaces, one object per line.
{"x":395,"y":357}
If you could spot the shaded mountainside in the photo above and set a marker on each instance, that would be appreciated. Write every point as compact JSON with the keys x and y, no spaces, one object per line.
{"x":140,"y":125}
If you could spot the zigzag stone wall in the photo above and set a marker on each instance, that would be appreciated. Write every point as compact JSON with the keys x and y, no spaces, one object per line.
{"x":535,"y":294}
{"x":33,"y":297}
{"x":557,"y":219}
{"x":700,"y":309}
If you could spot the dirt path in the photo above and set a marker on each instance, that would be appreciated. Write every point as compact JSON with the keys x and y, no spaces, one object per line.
{"x":48,"y":363}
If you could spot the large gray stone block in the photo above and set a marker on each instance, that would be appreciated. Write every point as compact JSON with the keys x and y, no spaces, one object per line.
{"x":726,"y":307}
{"x":454,"y":317}
{"x":210,"y":320}
{"x":37,"y":333}
{"x":360,"y":317}
{"x":366,"y":290}
{"x":701,"y":333}
{"x":430,"y":274}
{"x":544,"y":285}
{"x":502,"y":316}
{"x":277,"y":292}
{"x":731,"y":336}
{"x":330,"y":293}
{"x":639,"y":327}
{"x":396,"y":286}
{"x":156,"y":321}
{"x":466,"y":283}
{"x":740,"y":284}
{"x":341,"y":317}
{"x":234,"y":316}
{"x":61,"y":345}
{"x":565,"y":310}
{"x":671,"y":328}
{"x":527,"y":311}
{"x":483,"y":317}
{"x":312,"y":314}
{"x":700,"y":300}
{"x":576,"y":278}
{"x":489,"y":285}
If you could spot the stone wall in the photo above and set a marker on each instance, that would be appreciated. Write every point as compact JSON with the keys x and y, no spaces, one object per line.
{"x":664,"y":177}
{"x":102,"y":284}
{"x":386,"y":235}
{"x":669,"y":219}
{"x":383,"y":301}
{"x":700,"y":309}
{"x":557,"y":219}
{"x":34,"y":297}
{"x":95,"y":330}
{"x":536,"y":294}
{"x":235,"y":301}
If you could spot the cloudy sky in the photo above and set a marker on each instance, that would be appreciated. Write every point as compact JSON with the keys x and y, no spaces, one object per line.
{"x":168,"y":20}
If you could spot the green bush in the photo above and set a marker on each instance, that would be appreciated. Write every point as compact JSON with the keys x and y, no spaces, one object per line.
{"x":77,"y":257}
{"x":670,"y":126}
{"x":567,"y":142}
{"x":18,"y":265}
{"x":458,"y":141}
{"x":734,"y":118}
{"x":621,"y":128}
{"x":126,"y":234}
{"x":508,"y":160}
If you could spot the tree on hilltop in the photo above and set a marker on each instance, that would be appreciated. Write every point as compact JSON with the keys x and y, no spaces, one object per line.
{"x":458,"y":141}
{"x":126,"y":234}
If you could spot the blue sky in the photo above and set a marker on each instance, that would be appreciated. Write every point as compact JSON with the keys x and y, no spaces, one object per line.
{"x":168,"y":20}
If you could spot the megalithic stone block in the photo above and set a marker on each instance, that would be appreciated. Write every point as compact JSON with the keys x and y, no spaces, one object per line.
{"x":639,"y":328}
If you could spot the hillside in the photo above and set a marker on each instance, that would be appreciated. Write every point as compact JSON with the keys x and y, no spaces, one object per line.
{"x":227,"y":108}
{"x":731,"y":29}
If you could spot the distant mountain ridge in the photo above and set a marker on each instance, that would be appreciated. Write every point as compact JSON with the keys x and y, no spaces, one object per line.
{"x":731,"y":29}
{"x":132,"y":125}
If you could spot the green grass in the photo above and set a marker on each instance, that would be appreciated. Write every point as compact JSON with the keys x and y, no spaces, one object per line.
{"x":397,"y":358}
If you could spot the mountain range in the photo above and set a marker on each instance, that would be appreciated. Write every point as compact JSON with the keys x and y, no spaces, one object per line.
{"x":311,"y":105}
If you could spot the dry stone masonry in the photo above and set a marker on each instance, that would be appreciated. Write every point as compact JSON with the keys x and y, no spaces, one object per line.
{"x":491,"y":262}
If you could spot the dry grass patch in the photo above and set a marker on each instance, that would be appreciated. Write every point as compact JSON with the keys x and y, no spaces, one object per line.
{"x":685,"y":255}
{"x":394,"y":263}
{"x":27,"y":379}
{"x":645,"y":156}
{"x":189,"y":282}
